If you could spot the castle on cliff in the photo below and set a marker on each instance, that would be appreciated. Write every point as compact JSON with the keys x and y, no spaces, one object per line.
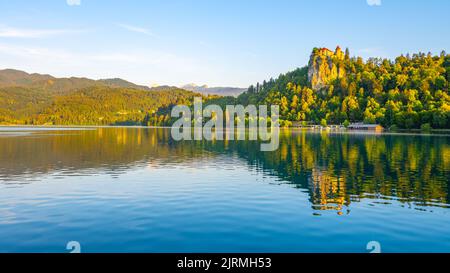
{"x":325,"y":66}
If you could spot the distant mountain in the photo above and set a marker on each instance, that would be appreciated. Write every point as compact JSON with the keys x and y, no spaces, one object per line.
{"x":12,"y":77}
{"x":221,"y":91}
{"x":164,"y":87}
{"x":17,"y":78}
{"x":116,"y":82}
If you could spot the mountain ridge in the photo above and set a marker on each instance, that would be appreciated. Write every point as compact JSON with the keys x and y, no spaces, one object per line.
{"x":19,"y":78}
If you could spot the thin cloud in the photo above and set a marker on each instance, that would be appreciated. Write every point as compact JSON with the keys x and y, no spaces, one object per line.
{"x":73,"y":2}
{"x":374,"y":2}
{"x":37,"y":55}
{"x":141,"y":66}
{"x":136,"y":29}
{"x":141,"y":57}
{"x":10,"y":32}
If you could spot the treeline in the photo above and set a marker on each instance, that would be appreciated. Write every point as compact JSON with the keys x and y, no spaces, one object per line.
{"x":37,"y":99}
{"x":410,"y":92}
{"x":96,"y":105}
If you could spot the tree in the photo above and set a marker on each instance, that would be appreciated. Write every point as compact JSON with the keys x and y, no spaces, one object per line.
{"x":347,"y":54}
{"x":346,"y":123}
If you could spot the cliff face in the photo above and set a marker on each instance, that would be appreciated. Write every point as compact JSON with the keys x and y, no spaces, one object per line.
{"x":325,"y":66}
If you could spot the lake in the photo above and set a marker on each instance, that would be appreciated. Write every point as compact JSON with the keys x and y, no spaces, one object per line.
{"x":138,"y":190}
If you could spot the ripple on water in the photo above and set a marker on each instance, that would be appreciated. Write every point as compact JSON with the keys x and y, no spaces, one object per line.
{"x":136,"y":190}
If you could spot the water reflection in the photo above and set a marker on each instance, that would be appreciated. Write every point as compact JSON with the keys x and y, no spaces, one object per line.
{"x":335,"y":169}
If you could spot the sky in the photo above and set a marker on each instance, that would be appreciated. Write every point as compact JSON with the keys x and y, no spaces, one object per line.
{"x":214,"y":42}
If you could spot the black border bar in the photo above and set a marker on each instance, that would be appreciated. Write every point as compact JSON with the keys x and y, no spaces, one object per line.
{"x":270,"y":262}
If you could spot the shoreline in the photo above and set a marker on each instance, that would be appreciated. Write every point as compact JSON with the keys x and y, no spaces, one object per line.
{"x":417,"y":132}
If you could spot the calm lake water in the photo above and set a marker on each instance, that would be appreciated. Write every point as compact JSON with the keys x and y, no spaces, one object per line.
{"x":137,"y":190}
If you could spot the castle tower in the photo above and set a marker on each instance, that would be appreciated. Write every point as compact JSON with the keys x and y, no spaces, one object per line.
{"x":339,"y":53}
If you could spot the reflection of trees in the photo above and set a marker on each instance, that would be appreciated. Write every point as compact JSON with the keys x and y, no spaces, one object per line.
{"x":339,"y":168}
{"x":336,"y":169}
{"x":107,"y":148}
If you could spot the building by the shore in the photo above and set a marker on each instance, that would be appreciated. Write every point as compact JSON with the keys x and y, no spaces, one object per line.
{"x":366,"y":127}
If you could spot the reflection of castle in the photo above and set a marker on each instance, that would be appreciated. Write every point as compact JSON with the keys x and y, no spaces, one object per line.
{"x":327,"y":191}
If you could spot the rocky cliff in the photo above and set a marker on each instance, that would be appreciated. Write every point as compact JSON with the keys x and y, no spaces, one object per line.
{"x":325,"y":66}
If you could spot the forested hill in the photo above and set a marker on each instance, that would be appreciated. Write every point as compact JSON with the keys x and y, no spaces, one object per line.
{"x":411,"y":91}
{"x":36,"y":99}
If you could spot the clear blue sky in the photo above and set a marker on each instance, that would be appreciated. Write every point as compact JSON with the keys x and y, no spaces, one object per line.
{"x":214,"y":42}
